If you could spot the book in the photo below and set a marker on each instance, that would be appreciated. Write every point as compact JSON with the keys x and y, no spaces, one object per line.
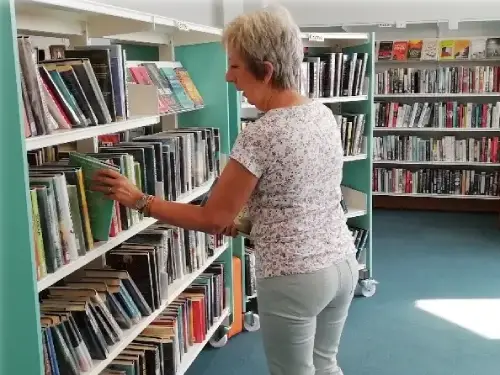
{"x":100,"y":207}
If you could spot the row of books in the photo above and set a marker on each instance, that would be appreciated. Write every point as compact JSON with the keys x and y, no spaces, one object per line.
{"x":176,"y":90}
{"x":83,"y":319}
{"x":449,"y":114}
{"x":442,"y":149}
{"x":435,"y":181}
{"x":333,"y":74}
{"x":438,"y":49}
{"x":360,"y":236}
{"x":441,"y":80}
{"x":69,"y":217}
{"x":352,"y":130}
{"x":250,"y":276}
{"x":87,"y":86}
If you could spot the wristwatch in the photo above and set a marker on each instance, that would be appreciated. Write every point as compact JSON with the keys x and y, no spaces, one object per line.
{"x":142,"y":203}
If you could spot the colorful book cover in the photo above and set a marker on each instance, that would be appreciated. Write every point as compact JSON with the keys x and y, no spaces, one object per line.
{"x":478,"y":48}
{"x":492,"y":48}
{"x":400,"y":50}
{"x":100,"y":207}
{"x":189,"y":86}
{"x":385,"y":50}
{"x":415,"y":49}
{"x":462,"y":49}
{"x":446,"y":49}
{"x":429,"y":49}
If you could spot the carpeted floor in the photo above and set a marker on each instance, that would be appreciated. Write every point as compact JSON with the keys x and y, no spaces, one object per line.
{"x":450,"y":263}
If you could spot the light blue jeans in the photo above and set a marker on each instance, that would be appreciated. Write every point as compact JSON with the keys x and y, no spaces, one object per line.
{"x":302,"y":318}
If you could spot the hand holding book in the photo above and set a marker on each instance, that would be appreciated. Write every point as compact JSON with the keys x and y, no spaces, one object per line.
{"x":117,"y":187}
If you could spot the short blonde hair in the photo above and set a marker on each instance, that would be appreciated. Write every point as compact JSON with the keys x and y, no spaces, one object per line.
{"x":271,"y":35}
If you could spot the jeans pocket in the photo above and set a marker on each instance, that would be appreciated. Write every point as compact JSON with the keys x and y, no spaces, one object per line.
{"x":353,"y":266}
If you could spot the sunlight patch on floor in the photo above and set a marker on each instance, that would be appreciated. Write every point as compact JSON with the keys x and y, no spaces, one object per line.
{"x":480,"y":316}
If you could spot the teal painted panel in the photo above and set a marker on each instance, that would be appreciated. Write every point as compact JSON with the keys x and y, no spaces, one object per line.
{"x":234,"y":114}
{"x":207,"y":65}
{"x":358,"y":174}
{"x":20,"y":338}
{"x":141,"y":52}
{"x":227,"y":258}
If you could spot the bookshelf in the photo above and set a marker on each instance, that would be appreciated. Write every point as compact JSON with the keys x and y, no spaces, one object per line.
{"x":457,"y":138}
{"x":86,"y":23}
{"x":357,"y":177}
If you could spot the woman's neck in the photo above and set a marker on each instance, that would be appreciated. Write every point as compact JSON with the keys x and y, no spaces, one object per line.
{"x":281,"y":99}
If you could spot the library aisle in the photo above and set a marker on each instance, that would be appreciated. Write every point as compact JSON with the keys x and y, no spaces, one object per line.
{"x":446,"y":261}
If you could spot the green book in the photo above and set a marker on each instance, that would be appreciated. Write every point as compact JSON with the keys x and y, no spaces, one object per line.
{"x":100,"y":207}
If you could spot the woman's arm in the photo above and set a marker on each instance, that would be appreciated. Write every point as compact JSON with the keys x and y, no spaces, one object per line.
{"x":229,"y":195}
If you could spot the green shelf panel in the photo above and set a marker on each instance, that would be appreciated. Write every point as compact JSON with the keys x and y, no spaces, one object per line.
{"x":234,"y":129}
{"x":20,"y":337}
{"x":234,"y":114}
{"x":358,"y":174}
{"x":207,"y":65}
{"x":137,"y":52}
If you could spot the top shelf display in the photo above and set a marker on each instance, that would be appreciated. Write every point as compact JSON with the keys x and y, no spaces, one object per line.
{"x":96,"y":20}
{"x":439,"y":50}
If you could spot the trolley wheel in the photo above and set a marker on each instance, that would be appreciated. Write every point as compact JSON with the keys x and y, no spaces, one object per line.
{"x":367,"y":287}
{"x":220,"y":338}
{"x":251,"y":322}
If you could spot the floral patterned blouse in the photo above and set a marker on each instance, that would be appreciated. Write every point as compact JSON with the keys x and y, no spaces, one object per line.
{"x":298,"y":223}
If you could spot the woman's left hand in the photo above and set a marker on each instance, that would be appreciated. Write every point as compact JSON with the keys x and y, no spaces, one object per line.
{"x":116,"y":186}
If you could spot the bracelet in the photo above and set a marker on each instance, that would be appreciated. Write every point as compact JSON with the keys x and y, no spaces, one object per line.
{"x":147,"y":206}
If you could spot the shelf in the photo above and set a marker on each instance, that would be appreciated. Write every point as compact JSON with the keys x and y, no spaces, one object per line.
{"x":446,"y":196}
{"x":436,"y":163}
{"x":131,"y":334}
{"x":355,"y":157}
{"x":103,"y":247}
{"x":178,"y":286}
{"x":356,"y":202}
{"x":77,"y":134}
{"x":195,"y":350}
{"x":441,"y":95}
{"x":439,"y":62}
{"x":335,"y":36}
{"x":99,"y":20}
{"x":435,"y":130}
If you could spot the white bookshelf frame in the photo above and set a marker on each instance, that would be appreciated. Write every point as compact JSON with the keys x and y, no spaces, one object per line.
{"x":136,"y":330}
{"x":79,"y":21}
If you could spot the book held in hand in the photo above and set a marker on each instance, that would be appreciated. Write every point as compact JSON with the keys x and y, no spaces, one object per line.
{"x":100,"y":207}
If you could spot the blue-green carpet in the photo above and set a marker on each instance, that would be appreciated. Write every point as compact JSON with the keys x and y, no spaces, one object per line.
{"x":417,"y":256}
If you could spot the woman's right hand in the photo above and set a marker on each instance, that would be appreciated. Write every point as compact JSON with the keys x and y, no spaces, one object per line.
{"x":230,"y":231}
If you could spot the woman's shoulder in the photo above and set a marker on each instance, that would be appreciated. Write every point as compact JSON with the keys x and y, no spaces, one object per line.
{"x":309,"y":110}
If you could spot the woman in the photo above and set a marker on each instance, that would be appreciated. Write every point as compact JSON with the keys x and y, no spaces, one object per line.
{"x":287,"y":166}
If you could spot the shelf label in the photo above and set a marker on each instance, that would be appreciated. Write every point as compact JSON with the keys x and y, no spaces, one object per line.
{"x":181,"y":25}
{"x":316,"y":38}
{"x":385,"y":24}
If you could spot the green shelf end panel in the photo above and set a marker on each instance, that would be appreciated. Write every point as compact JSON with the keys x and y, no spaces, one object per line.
{"x":207,"y":64}
{"x":234,"y":129}
{"x":20,"y":337}
{"x":136,"y":52}
{"x":358,"y":174}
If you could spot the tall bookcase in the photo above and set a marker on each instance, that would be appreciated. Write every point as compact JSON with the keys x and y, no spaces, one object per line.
{"x":357,"y":173}
{"x":445,"y":152}
{"x":80,"y":21}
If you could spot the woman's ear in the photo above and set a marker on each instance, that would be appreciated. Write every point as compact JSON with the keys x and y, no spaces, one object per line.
{"x":269,"y":71}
